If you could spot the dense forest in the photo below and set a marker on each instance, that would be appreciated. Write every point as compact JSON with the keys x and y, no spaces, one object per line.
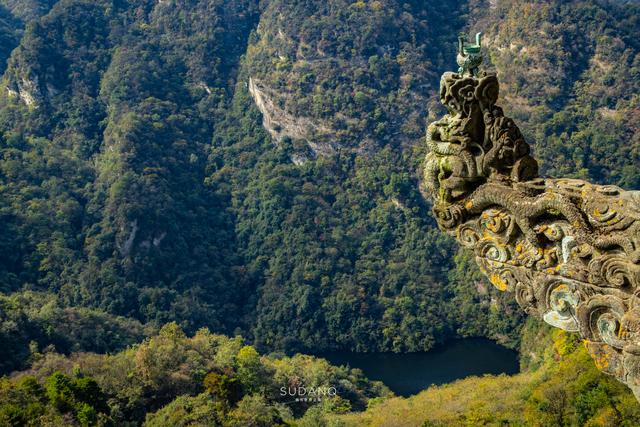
{"x":252,"y":167}
{"x":175,"y":380}
{"x":172,"y":379}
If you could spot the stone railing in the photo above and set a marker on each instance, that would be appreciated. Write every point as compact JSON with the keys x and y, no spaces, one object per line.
{"x":568,"y":249}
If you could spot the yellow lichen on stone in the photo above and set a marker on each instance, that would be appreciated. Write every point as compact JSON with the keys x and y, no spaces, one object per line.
{"x":569,"y":249}
{"x":498,"y":282}
{"x":601,"y":360}
{"x":600,"y":357}
{"x":622,"y":332}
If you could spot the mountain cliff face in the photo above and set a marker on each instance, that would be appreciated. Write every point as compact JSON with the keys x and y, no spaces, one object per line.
{"x":357,"y":75}
{"x":252,"y":166}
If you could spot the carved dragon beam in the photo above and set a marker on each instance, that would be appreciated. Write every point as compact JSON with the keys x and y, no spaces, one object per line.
{"x":568,"y":249}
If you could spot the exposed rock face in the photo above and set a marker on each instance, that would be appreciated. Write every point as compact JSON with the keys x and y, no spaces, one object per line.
{"x":27,"y":90}
{"x":568,"y":249}
{"x":280,"y":124}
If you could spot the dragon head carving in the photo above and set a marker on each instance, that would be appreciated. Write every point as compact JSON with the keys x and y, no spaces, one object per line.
{"x":474,"y":142}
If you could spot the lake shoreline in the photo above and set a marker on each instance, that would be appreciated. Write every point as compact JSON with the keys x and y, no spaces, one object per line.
{"x":407,"y":374}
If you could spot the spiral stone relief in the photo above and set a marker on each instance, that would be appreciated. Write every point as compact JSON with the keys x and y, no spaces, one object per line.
{"x":568,"y":249}
{"x":562,"y":301}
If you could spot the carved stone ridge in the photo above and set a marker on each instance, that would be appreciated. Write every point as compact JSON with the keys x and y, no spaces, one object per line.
{"x":568,"y":249}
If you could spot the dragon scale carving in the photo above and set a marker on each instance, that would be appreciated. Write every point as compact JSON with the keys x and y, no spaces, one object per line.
{"x":568,"y":249}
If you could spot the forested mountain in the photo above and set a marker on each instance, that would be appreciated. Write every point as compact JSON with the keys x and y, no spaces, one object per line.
{"x":252,"y":167}
{"x":14,"y":16}
{"x":8,"y":35}
{"x":108,"y":115}
{"x":569,"y":77}
{"x":28,"y":10}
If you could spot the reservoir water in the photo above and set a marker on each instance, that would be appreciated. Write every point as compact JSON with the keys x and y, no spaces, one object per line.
{"x":410,"y":373}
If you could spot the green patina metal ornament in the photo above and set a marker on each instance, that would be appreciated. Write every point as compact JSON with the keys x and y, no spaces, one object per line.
{"x":469,"y":55}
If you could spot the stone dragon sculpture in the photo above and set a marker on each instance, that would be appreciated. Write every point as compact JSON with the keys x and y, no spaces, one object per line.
{"x":568,"y":249}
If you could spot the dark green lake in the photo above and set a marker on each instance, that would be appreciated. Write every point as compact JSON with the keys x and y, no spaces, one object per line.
{"x":409,"y":373}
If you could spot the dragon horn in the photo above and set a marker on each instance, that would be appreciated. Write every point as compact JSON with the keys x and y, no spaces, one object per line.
{"x":479,"y":38}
